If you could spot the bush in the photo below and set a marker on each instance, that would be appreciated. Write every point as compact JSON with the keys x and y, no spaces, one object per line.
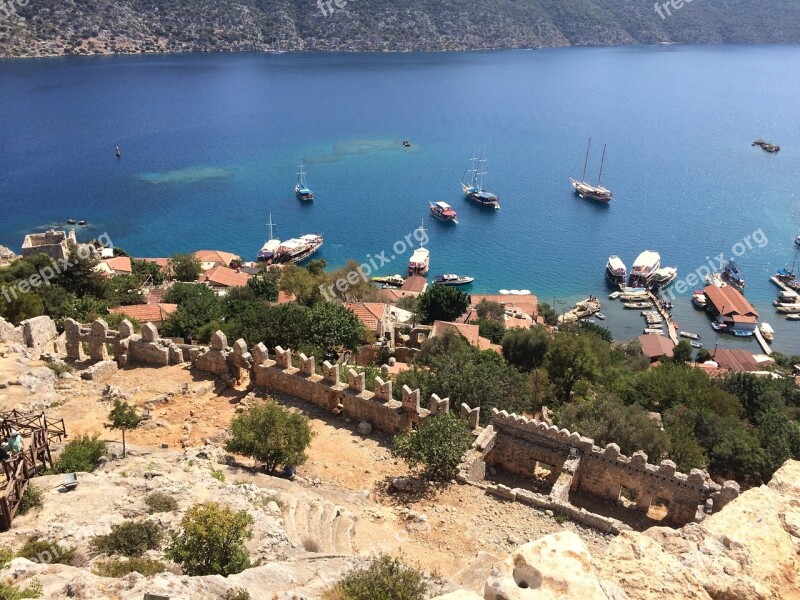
{"x":271,"y":435}
{"x":46,"y":552}
{"x":438,"y":446}
{"x":129,"y":538}
{"x":386,"y":578}
{"x":159,"y":502}
{"x":80,"y":455}
{"x":13,"y":592}
{"x":210,"y":540}
{"x":59,"y":368}
{"x":237,"y":594}
{"x":120,"y":568}
{"x":32,"y":498}
{"x":5,"y":557}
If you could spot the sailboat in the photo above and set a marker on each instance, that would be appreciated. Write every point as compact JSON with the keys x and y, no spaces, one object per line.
{"x":420,"y":261}
{"x":275,"y":49}
{"x":270,"y":247}
{"x":301,"y":188}
{"x":473,"y":185}
{"x":585,"y":189}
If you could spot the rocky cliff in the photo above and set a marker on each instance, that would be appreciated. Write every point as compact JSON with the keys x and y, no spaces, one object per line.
{"x":55,"y":27}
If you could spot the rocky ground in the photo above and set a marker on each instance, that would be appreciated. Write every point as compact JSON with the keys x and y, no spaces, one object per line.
{"x":339,"y":510}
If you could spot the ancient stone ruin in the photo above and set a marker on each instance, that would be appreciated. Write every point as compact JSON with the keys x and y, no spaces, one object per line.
{"x":515,"y":444}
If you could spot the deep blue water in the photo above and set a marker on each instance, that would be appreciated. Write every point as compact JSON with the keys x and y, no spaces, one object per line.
{"x":210,"y":145}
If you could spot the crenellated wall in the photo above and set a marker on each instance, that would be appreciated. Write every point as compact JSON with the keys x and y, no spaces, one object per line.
{"x":512,"y":442}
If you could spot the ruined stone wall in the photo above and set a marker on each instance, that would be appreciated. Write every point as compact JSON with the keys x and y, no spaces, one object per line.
{"x":602,"y":472}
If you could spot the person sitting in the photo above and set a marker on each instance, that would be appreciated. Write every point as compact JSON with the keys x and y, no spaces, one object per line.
{"x":15,"y":442}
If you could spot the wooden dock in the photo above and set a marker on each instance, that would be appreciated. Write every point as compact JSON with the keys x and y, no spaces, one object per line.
{"x":762,"y":342}
{"x":774,"y":279}
{"x":673,"y":335}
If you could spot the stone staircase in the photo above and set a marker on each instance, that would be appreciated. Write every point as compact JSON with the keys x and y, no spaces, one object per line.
{"x":318,"y":525}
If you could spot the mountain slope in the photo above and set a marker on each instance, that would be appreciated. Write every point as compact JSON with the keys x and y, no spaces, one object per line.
{"x":102,"y":26}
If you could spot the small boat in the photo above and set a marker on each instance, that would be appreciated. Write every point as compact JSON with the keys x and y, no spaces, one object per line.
{"x":653,"y":331}
{"x":793,"y":317}
{"x":788,"y":309}
{"x":634,"y":297}
{"x":406,"y":143}
{"x":301,"y":189}
{"x":767,"y":331}
{"x":691,"y":336}
{"x":797,"y":241}
{"x":697,"y":344}
{"x":741,"y":333}
{"x":644,"y":269}
{"x":586,"y":190}
{"x":275,"y":48}
{"x":81,"y":222}
{"x":420,"y":261}
{"x":716,"y":280}
{"x":786,"y":297}
{"x":452,"y":280}
{"x":600,"y":316}
{"x":718,"y":326}
{"x":390,"y":280}
{"x":297,"y":250}
{"x":733,"y":276}
{"x":614,"y":295}
{"x":118,"y":153}
{"x":590,"y":321}
{"x":473,"y":185}
{"x":664,"y":277}
{"x":271,"y":245}
{"x":636,"y":305}
{"x":71,"y":221}
{"x":616,"y":272}
{"x":699,"y":299}
{"x":444,"y":212}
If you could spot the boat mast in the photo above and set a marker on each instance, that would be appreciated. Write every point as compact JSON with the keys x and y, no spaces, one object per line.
{"x":482,"y":171}
{"x":586,"y":160}
{"x":422,"y":229}
{"x":470,"y":168}
{"x":271,"y":226}
{"x":602,"y":160}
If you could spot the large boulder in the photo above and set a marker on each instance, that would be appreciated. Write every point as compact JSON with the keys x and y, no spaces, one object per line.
{"x":38,"y":332}
{"x":557,"y":566}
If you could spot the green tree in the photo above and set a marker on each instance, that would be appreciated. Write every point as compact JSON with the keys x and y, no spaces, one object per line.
{"x":184,"y":267}
{"x":124,"y":290}
{"x":682,"y":353}
{"x":548,"y":313}
{"x":570,"y":360}
{"x":147,"y":270}
{"x":271,"y":435}
{"x":441,"y":303}
{"x":210,"y":540}
{"x":438,"y":445}
{"x":198,"y":305}
{"x":387,"y":578}
{"x":264,"y":287}
{"x":488,"y":309}
{"x":779,"y":437}
{"x":123,"y":417}
{"x":81,"y":278}
{"x":303,"y":284}
{"x":21,"y":307}
{"x":333,"y":326}
{"x":287,"y":325}
{"x":526,"y":348}
{"x":494,"y":331}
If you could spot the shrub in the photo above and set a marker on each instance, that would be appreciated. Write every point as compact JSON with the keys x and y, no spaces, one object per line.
{"x":237,"y":594}
{"x":210,"y":540}
{"x":120,"y":568}
{"x":59,"y":368}
{"x":32,"y":498}
{"x":129,"y":538}
{"x":159,"y":502}
{"x":13,"y":592}
{"x":387,"y":577}
{"x":218,"y":475}
{"x":270,"y":434}
{"x":46,"y":552}
{"x":438,"y":446}
{"x":80,"y":455}
{"x":5,"y":557}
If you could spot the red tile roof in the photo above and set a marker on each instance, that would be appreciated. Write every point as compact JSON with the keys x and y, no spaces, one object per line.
{"x":119,"y":264}
{"x":161,"y":262}
{"x":224,"y":277}
{"x":468,"y":332}
{"x":370,"y":313}
{"x":215,"y":256}
{"x":146,"y":313}
{"x":728,"y":301}
{"x":735,"y":360}
{"x":415,"y":283}
{"x":656,"y":346}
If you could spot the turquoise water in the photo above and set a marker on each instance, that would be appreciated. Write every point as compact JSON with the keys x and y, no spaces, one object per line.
{"x":210,"y":145}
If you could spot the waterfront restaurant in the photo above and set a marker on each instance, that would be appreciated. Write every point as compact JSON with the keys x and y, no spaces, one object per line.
{"x":730,"y":308}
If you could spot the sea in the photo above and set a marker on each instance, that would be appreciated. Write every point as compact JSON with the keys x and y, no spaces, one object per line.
{"x":210,"y":146}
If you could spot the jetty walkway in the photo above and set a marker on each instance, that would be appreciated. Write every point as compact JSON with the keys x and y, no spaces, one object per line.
{"x":673,"y":335}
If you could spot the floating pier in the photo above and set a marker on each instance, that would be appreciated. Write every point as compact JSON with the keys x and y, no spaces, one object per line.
{"x":673,"y":335}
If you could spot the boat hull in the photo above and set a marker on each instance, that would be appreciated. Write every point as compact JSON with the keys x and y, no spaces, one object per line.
{"x":297,"y":257}
{"x":590,"y":192}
